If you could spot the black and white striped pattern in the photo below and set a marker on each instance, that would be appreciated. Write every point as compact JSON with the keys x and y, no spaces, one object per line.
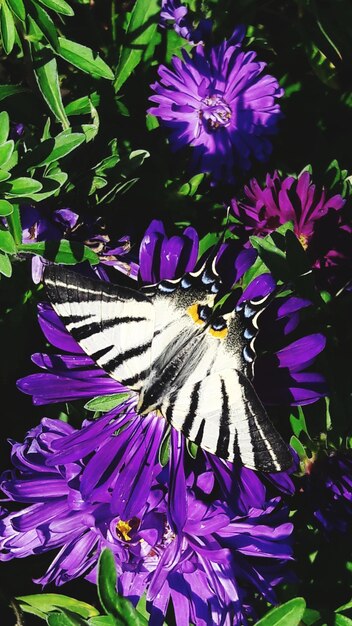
{"x":151,"y":344}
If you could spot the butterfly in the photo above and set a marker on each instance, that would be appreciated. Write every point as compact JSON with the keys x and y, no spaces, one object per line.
{"x":173,"y":347}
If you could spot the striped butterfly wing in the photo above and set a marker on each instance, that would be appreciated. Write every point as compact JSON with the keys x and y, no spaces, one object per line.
{"x":215,"y":404}
{"x":223,"y":414}
{"x":114,"y":325}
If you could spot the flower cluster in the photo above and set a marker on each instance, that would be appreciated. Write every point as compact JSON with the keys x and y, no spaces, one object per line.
{"x":201,"y":555}
{"x":194,"y":533}
{"x":105,"y":485}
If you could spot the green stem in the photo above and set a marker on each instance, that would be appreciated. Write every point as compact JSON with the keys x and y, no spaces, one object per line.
{"x":113,"y":21}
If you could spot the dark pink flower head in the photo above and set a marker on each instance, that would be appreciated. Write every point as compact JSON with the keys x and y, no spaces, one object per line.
{"x":282,"y":200}
{"x":219,"y":102}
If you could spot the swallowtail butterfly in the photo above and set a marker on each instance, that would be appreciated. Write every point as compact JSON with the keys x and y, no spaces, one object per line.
{"x":168,"y":344}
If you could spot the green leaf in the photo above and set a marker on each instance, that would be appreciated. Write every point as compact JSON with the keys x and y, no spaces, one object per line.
{"x":105,"y":403}
{"x":59,"y":6}
{"x":102,"y":620}
{"x":4,"y":175}
{"x":107,"y":581}
{"x":344,"y":607}
{"x":140,"y":31}
{"x":47,"y":602}
{"x":18,"y":8}
{"x":298,"y":424}
{"x":5,"y":265}
{"x":50,"y":186}
{"x":53,"y":149}
{"x":191,"y":187}
{"x":84,"y":58}
{"x":288,"y":614}
{"x":192,"y":448}
{"x":45,"y":23}
{"x":298,"y":446}
{"x":6,"y":150}
{"x":7,"y":27}
{"x":11,"y":90}
{"x":112,"y":603}
{"x":6,"y":208}
{"x":65,"y":618}
{"x":22,"y":186}
{"x":310,"y":616}
{"x":342,"y":620}
{"x":64,"y":251}
{"x":83,"y":106}
{"x":14,"y":223}
{"x":164,"y":450}
{"x":7,"y":243}
{"x":46,"y":74}
{"x":4,"y":126}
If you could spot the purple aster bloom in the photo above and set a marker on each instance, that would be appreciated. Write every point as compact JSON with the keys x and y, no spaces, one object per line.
{"x":318,"y":219}
{"x":43,"y":224}
{"x":207,"y":557}
{"x":175,"y":13}
{"x":58,"y":516}
{"x":326,"y":491}
{"x":219,"y":102}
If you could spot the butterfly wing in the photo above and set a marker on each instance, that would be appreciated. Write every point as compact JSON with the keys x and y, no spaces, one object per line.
{"x":114,"y":325}
{"x":223,"y":414}
{"x":213,"y":401}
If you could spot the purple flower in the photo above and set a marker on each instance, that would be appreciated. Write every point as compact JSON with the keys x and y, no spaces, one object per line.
{"x":43,"y":224}
{"x":163,"y":257}
{"x":326,"y":491}
{"x":207,"y":556}
{"x":58,"y":516}
{"x":318,"y":220}
{"x":175,"y":13}
{"x":219,"y":102}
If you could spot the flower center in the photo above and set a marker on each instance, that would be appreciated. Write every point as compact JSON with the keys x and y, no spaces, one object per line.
{"x":304,"y":241}
{"x":123,"y":527}
{"x":215,"y":112}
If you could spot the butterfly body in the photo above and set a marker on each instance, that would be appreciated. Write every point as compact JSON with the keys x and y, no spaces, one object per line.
{"x":180,"y":354}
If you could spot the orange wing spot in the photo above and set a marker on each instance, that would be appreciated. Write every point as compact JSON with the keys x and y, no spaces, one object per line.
{"x":219,"y":334}
{"x":193,"y":312}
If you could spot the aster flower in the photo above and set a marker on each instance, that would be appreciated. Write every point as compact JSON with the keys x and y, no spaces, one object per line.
{"x":175,"y":13}
{"x":207,"y":557}
{"x":326,"y":491}
{"x":58,"y":517}
{"x":219,"y":102}
{"x":318,"y":219}
{"x":43,"y":224}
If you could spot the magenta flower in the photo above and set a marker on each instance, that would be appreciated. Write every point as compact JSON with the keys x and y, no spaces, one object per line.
{"x":318,"y":220}
{"x":219,"y":102}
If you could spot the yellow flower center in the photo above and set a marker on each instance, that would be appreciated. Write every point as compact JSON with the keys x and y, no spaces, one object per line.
{"x":303,"y":239}
{"x":123,"y":528}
